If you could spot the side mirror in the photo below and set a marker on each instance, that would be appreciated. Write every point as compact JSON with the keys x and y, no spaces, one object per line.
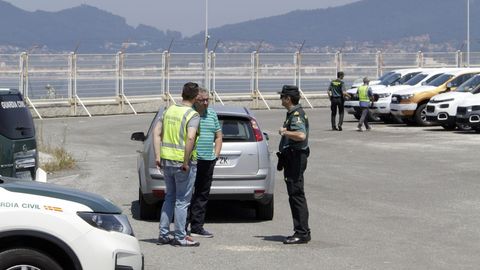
{"x":266,"y":136}
{"x":138,"y":136}
{"x":424,"y":83}
{"x":449,"y":85}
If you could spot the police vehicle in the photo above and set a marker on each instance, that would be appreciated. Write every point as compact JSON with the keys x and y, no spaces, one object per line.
{"x":18,"y":148}
{"x":49,"y":227}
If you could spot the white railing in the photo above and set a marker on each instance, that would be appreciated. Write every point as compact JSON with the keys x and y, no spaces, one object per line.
{"x":71,"y":78}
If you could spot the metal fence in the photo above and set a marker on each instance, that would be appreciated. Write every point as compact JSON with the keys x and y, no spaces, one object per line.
{"x":75,"y":78}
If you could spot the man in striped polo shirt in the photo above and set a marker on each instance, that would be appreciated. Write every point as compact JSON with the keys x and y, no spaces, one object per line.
{"x":209,"y":145}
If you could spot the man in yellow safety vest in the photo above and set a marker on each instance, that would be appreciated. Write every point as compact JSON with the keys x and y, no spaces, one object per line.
{"x":174,"y":144}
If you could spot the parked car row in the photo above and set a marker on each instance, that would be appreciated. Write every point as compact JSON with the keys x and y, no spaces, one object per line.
{"x":423,"y":97}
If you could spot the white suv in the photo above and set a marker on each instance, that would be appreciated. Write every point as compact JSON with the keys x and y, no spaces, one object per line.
{"x":442,"y":108}
{"x":49,"y":227}
{"x":381,"y":106}
{"x":396,"y":77}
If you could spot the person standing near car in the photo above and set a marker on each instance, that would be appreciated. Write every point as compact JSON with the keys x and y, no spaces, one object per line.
{"x":365,"y":96}
{"x":174,"y":142}
{"x":336,"y":93}
{"x":293,"y":159}
{"x":209,"y":145}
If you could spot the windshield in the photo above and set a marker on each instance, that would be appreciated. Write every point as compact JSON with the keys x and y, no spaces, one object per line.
{"x":469,"y":85}
{"x":407,"y":77}
{"x":15,"y":119}
{"x":385,"y":75}
{"x":440,"y":80}
{"x":416,"y":79}
{"x":389,"y":80}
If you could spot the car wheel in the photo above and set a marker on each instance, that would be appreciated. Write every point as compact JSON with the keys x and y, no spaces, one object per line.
{"x":265,"y":211}
{"x":449,"y":126}
{"x":25,"y":258}
{"x":147,"y":211}
{"x":420,"y":116}
{"x":464,"y":127}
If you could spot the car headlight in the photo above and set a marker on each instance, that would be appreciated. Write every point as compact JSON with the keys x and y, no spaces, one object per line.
{"x":407,"y":96}
{"x":108,"y":222}
{"x":384,"y":95}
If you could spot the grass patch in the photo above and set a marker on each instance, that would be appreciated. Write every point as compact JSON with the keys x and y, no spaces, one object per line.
{"x":54,"y":158}
{"x":61,"y":159}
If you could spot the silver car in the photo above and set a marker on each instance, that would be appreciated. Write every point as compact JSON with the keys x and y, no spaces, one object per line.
{"x":244,"y":171}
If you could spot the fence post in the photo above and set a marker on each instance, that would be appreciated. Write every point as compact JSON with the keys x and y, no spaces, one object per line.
{"x":166,"y":78}
{"x":459,"y":56}
{"x":23,"y":85}
{"x":254,"y":79}
{"x":298,"y":69}
{"x":338,"y":61}
{"x":420,"y":59}
{"x":212,"y":89}
{"x":72,"y":84}
{"x":119,"y":91}
{"x":379,"y":60}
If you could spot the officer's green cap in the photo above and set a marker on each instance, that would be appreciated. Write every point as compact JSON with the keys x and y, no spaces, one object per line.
{"x":290,"y":90}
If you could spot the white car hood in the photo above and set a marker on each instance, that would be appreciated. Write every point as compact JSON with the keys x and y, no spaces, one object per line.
{"x":374,"y":82}
{"x":450,"y":95}
{"x":470,"y":101}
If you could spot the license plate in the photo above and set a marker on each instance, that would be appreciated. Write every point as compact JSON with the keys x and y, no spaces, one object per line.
{"x":223,"y":161}
{"x":24,"y":175}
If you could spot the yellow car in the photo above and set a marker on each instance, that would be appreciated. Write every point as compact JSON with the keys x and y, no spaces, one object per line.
{"x":410,"y":104}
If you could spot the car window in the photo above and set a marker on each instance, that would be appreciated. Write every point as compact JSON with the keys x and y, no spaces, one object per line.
{"x":236,"y":129}
{"x":469,"y":85}
{"x":15,"y":119}
{"x":461,"y":79}
{"x":391,"y":79}
{"x":407,"y":77}
{"x":154,"y":121}
{"x":416,"y":79}
{"x":433,"y":77}
{"x":440,"y":80}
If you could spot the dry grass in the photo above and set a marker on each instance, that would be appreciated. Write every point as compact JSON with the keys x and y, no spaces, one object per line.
{"x":59,"y":159}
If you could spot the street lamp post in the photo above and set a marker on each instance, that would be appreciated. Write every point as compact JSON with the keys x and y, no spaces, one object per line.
{"x":205,"y":64}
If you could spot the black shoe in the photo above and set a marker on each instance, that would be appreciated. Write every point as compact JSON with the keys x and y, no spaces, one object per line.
{"x":334,"y":128}
{"x":202,"y":233}
{"x":339,"y":128}
{"x":297,"y":239}
{"x":163,"y":240}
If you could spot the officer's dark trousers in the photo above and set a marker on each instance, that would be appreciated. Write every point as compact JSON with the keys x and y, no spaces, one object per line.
{"x":336,"y":104}
{"x":295,"y":165}
{"x":198,"y":204}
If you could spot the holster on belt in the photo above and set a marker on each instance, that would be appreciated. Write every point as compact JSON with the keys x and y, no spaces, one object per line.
{"x":281,"y":160}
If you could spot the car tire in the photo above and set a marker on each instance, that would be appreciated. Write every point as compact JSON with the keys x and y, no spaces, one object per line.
{"x":420,"y":116}
{"x":265,"y":211}
{"x":17,"y":258}
{"x":146,"y":211}
{"x":372,"y":117}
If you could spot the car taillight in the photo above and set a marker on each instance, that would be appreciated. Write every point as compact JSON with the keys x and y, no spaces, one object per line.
{"x":256,"y":131}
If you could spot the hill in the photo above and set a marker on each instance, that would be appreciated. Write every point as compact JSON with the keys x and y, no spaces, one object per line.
{"x":407,"y":25}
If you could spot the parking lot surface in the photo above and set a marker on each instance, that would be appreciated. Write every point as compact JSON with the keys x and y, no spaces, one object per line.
{"x":396,"y":197}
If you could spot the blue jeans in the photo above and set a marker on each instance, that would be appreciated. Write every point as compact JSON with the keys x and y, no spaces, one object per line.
{"x":179,"y":185}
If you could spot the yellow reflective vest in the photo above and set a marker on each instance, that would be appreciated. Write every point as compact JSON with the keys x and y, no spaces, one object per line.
{"x":363,"y":93}
{"x":174,"y":128}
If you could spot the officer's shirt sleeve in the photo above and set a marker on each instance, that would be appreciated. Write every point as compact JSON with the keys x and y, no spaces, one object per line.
{"x":297,"y":123}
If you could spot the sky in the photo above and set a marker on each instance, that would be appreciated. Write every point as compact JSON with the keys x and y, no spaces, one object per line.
{"x":186,"y":16}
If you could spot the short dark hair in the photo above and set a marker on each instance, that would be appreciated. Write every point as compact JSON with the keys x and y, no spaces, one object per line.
{"x":190,"y":91}
{"x":295,"y":99}
{"x":340,"y":74}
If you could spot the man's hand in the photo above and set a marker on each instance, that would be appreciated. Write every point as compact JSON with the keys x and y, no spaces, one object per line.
{"x":281,"y":131}
{"x":185,"y":167}
{"x":158,"y":162}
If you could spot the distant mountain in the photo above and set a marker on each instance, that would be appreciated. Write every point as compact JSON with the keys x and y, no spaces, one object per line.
{"x":373,"y":24}
{"x":375,"y":21}
{"x":94,"y":29}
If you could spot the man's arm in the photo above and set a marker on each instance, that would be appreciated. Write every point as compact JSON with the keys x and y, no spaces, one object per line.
{"x":189,"y":144}
{"x":295,"y":135}
{"x":218,"y":143}
{"x":157,"y":139}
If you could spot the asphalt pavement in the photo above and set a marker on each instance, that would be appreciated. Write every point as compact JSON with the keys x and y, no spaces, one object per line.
{"x":396,"y":197}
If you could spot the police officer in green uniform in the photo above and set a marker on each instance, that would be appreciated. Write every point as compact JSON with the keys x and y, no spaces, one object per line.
{"x":293,"y":154}
{"x":337,"y":93}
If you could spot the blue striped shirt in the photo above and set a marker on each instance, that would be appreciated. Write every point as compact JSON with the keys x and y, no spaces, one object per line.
{"x":209,"y":125}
